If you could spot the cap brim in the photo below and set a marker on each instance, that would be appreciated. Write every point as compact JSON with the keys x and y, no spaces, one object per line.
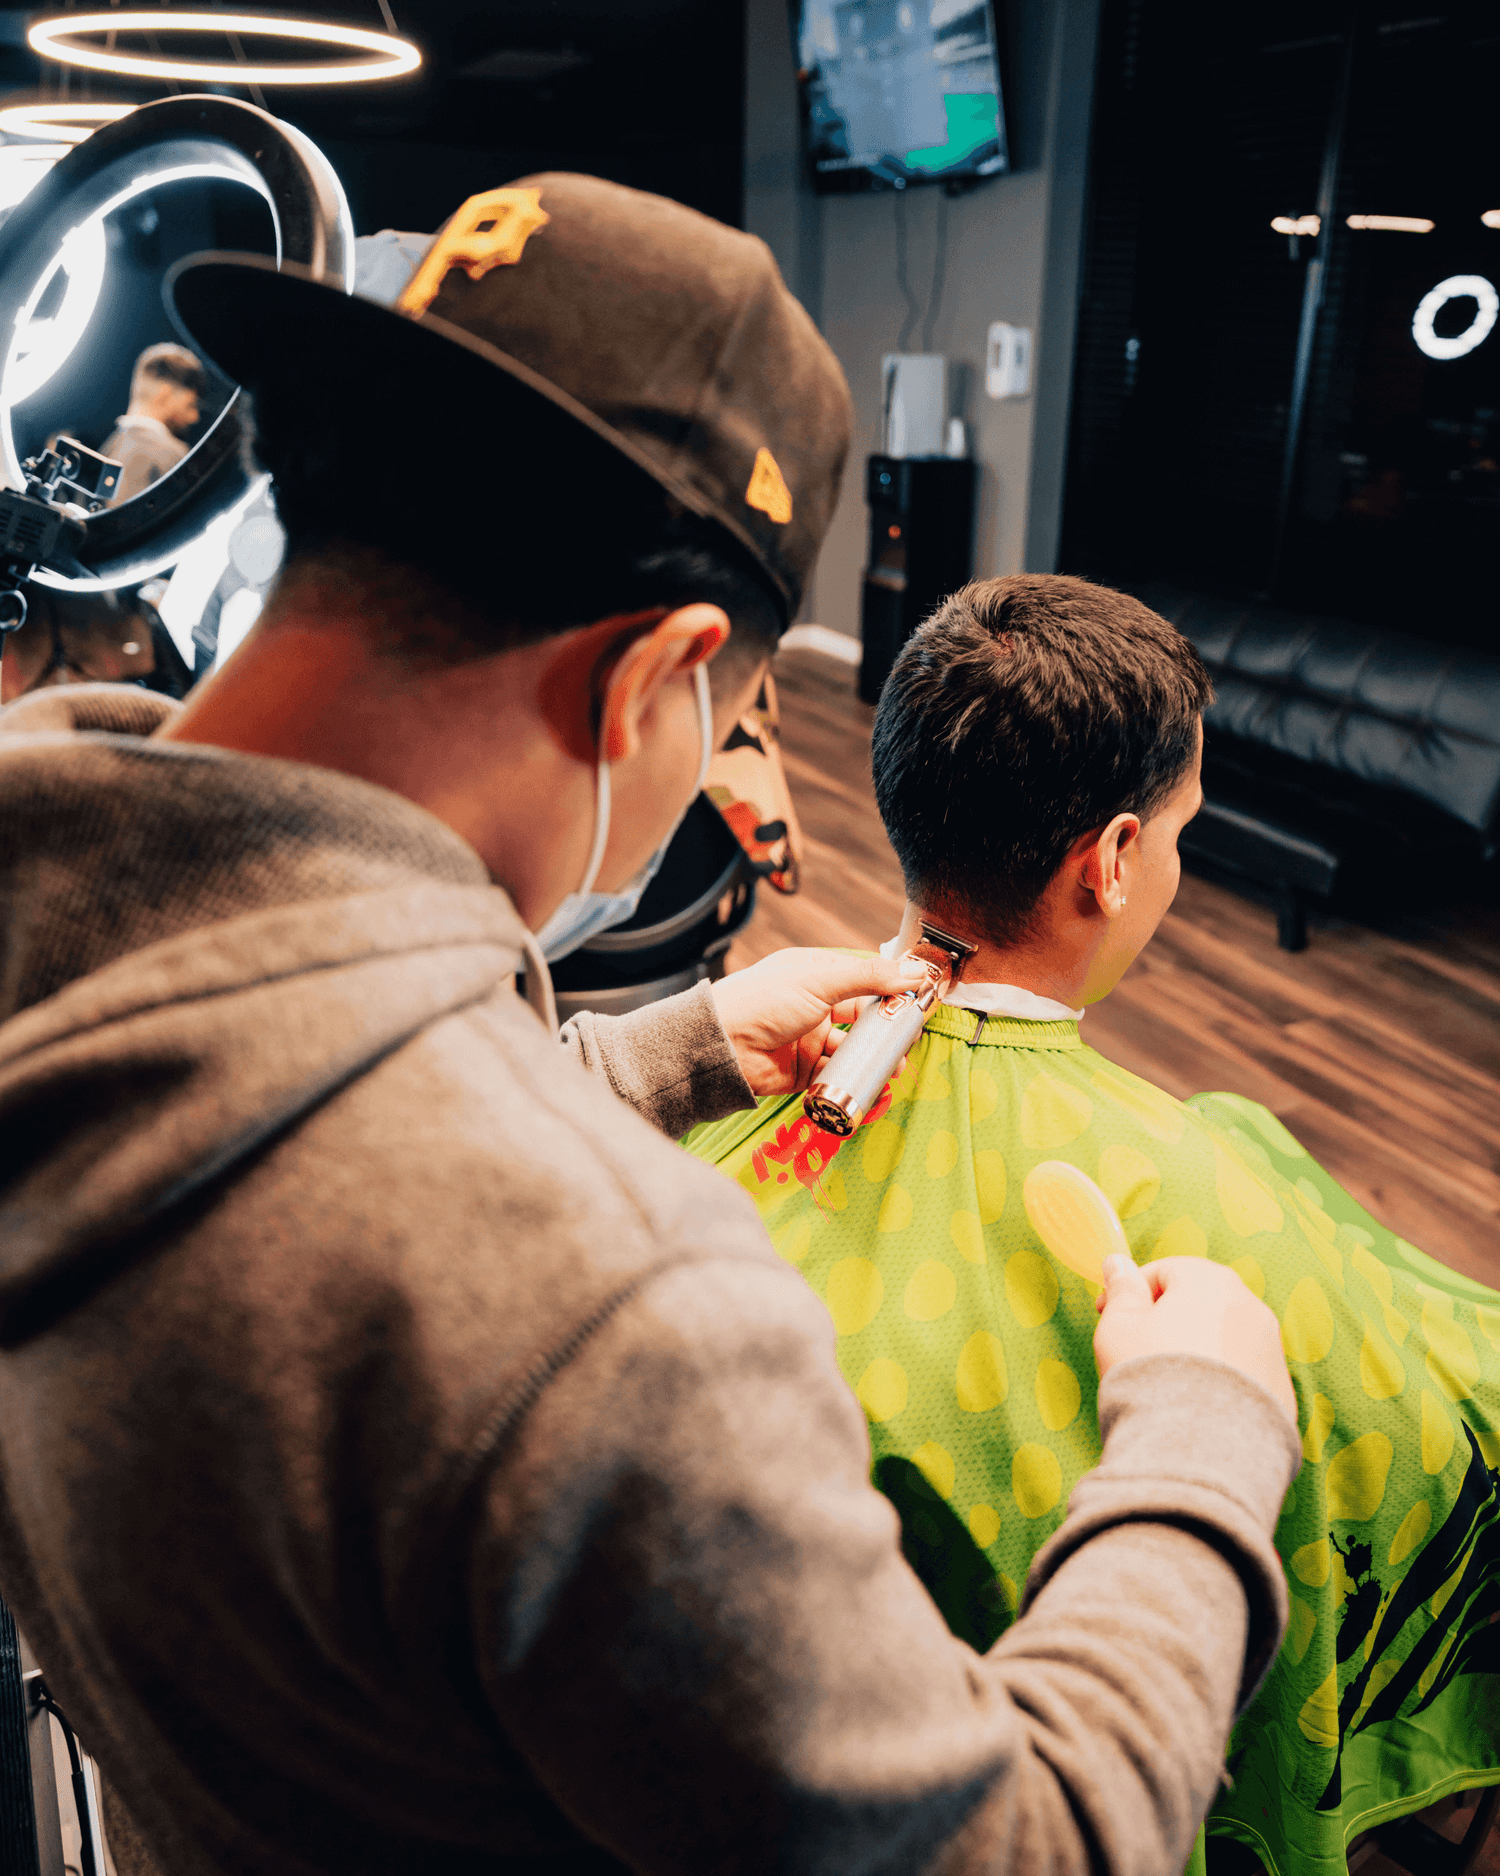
{"x":256,"y":320}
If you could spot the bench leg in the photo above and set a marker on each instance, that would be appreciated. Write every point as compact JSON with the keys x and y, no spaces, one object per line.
{"x":1291,"y":920}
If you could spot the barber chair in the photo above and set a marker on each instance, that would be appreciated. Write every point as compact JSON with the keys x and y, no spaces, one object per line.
{"x":703,"y":893}
{"x":742,"y":829}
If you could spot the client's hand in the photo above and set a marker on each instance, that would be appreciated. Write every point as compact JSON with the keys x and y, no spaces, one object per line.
{"x":1189,"y":1306}
{"x":779,"y":1014}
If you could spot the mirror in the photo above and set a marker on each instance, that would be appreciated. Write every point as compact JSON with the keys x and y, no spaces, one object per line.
{"x":91,"y":360}
{"x":83,"y":258}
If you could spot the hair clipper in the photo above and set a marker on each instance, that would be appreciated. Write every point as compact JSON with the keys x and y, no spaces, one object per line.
{"x":851,"y":1082}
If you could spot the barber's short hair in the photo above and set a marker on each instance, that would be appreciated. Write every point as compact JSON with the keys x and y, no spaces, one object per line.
{"x":1026,"y":713}
{"x":170,"y":364}
{"x":518,"y":521}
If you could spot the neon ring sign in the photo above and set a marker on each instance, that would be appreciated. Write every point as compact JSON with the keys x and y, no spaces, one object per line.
{"x":59,"y":38}
{"x":1456,"y":287}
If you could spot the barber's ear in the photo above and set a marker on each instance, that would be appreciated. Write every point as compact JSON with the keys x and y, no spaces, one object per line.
{"x":691,"y":635}
{"x":1104,"y":862}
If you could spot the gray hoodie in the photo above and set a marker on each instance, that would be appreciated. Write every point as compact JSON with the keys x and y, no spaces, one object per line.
{"x":410,"y":1459}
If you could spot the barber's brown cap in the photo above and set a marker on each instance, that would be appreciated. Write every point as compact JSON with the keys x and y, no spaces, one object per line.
{"x":668,"y":334}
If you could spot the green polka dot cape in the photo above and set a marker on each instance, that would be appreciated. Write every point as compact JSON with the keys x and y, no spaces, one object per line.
{"x":971,"y":1349}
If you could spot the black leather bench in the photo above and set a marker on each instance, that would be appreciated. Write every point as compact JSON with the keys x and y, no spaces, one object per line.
{"x":1340,"y":761}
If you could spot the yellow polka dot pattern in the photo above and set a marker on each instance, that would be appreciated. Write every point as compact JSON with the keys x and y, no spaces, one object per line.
{"x":895,"y":1209}
{"x":982,"y":1380}
{"x":1355,"y":1478}
{"x":1058,"y":1395}
{"x":1438,"y":1437}
{"x":1031,"y":1288}
{"x":1053,"y":1113}
{"x":967,"y":1233}
{"x":931,"y":1291}
{"x":984,"y":1525}
{"x":1381,"y":1372}
{"x":883,"y":1389}
{"x":1184,"y":1237}
{"x":1299,"y":1629}
{"x":935,"y":1463}
{"x":855,"y":1290}
{"x":968,"y":1344}
{"x":1410,"y":1532}
{"x":942,"y":1154}
{"x":1128,"y":1179}
{"x":1035,"y":1479}
{"x":1319,"y":1425}
{"x":1307,"y":1324}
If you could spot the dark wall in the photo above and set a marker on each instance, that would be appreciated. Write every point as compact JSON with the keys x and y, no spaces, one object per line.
{"x":1375,"y":493}
{"x":644,"y":92}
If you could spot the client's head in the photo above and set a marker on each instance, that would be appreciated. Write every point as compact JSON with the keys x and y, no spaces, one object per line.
{"x":169,"y":384}
{"x":1036,"y":755}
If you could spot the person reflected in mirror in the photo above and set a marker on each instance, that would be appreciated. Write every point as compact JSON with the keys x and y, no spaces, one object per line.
{"x":167,"y":389}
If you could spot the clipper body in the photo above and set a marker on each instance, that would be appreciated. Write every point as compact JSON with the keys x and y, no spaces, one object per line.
{"x":851,"y":1083}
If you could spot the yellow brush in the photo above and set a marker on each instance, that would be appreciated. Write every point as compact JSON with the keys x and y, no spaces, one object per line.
{"x":1073,"y":1218}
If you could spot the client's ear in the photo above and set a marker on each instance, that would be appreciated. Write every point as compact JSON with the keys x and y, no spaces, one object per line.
{"x":1105,"y":864}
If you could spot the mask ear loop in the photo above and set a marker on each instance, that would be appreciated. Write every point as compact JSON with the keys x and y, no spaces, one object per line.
{"x":705,"y":726}
{"x":601,"y":827}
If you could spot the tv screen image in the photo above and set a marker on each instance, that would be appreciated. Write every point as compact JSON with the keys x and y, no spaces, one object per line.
{"x":897,"y":92}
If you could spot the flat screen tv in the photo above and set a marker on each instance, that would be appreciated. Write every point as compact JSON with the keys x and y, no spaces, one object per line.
{"x":897,"y":92}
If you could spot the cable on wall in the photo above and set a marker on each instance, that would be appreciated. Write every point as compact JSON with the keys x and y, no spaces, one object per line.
{"x":913,"y":311}
{"x":939,"y":272}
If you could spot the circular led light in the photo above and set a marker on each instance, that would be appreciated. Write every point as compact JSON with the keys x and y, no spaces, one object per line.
{"x":22,"y":169}
{"x":172,"y":140}
{"x":60,"y":123}
{"x":1456,"y":287}
{"x":42,"y":345}
{"x":58,"y":37}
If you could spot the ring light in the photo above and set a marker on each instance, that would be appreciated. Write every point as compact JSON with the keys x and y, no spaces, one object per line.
{"x":41,"y":346}
{"x":22,"y":169}
{"x":1456,"y":287}
{"x":57,"y":38}
{"x":171,"y":140}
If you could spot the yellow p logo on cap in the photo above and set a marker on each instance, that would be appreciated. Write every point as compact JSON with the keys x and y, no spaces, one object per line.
{"x":490,"y":230}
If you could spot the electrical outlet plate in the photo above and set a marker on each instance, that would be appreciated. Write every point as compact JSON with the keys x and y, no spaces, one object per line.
{"x":1007,"y":361}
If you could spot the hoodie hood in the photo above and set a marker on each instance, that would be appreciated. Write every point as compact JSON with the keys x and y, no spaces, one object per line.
{"x":196,"y":948}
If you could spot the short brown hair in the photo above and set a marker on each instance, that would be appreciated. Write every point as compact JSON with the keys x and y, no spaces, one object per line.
{"x":174,"y":364}
{"x":1025,"y":713}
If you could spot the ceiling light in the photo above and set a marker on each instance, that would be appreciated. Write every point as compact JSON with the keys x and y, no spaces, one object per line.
{"x":58,"y":38}
{"x":1491,"y":218}
{"x":1393,"y":224}
{"x":1457,"y":287}
{"x":1297,"y":224}
{"x":60,"y":123}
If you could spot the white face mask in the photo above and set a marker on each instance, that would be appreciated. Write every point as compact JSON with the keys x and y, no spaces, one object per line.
{"x":585,"y":913}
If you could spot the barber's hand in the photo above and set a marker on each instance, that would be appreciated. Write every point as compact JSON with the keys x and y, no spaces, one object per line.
{"x":1189,"y":1306}
{"x":779,"y":1014}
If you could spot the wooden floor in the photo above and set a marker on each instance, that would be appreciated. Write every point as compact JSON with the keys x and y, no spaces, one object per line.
{"x":1380,"y":1050}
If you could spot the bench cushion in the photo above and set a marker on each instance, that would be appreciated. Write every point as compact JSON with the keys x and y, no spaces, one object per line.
{"x":1382,"y":708}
